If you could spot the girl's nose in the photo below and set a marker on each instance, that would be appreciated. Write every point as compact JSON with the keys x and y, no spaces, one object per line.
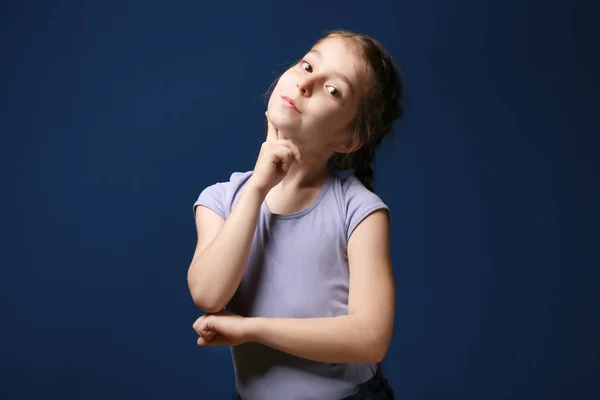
{"x":304,"y":86}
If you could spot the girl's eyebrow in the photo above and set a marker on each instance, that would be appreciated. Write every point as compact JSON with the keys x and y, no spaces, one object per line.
{"x":316,"y":52}
{"x":337,"y":74}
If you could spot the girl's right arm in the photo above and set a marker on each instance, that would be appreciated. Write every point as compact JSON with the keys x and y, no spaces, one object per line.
{"x":223,"y":246}
{"x":222,"y":251}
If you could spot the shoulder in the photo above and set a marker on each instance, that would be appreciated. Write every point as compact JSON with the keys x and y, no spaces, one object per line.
{"x":220,"y":196}
{"x":356,"y":202}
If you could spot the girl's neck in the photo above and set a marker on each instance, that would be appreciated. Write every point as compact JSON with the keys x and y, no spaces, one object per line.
{"x":310,"y":174}
{"x":298,"y":190}
{"x":302,"y":178}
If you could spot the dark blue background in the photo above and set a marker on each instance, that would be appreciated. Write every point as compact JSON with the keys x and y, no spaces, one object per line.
{"x":116,"y":114}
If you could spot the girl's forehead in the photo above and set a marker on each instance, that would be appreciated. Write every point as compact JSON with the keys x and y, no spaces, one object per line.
{"x":336,"y":46}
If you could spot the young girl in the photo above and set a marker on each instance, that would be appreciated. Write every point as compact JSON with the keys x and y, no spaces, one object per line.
{"x":292,"y":263}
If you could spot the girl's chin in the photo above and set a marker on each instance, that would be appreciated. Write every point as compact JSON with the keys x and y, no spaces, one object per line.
{"x":289,"y":135}
{"x":283,"y":114}
{"x":289,"y":127}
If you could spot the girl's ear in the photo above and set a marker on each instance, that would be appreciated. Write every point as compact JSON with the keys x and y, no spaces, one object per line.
{"x":351,"y":145}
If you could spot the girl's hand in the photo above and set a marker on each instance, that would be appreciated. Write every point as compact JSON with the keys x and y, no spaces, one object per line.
{"x":274,"y":161}
{"x":221,"y":329}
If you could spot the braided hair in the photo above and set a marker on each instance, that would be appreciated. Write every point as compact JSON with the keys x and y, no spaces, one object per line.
{"x":379,"y":108}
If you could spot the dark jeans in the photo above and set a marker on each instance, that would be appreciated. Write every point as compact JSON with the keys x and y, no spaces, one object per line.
{"x":376,"y":388}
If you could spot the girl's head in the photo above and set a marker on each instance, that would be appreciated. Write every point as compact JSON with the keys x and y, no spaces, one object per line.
{"x":345,"y":93}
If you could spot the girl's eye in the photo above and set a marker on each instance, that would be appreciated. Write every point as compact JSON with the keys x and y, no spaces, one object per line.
{"x":306,"y":66}
{"x":333,"y":91}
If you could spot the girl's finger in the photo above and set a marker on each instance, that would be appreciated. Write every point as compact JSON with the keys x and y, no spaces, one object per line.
{"x":198,"y":323}
{"x":296,"y":149}
{"x":203,"y":328}
{"x":282,"y":153}
{"x":271,"y":131}
{"x":206,"y":331}
{"x":216,"y":341}
{"x":203,"y":342}
{"x":209,"y":335}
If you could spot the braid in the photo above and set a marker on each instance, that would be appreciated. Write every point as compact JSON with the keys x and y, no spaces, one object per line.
{"x":378,"y":109}
{"x":363,"y":171}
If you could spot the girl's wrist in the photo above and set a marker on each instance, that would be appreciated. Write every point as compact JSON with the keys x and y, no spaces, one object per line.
{"x":254,"y":190}
{"x":252,"y":329}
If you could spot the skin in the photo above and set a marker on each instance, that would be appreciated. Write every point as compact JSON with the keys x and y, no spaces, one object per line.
{"x":326,"y":88}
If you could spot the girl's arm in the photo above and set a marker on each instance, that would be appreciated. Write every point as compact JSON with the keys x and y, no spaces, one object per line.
{"x":222,"y":251}
{"x":365,"y":333}
{"x":223,"y":246}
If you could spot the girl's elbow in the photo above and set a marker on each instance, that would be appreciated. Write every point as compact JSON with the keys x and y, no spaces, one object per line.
{"x":378,"y":347}
{"x":375,"y":339}
{"x":380,"y":354}
{"x":207,"y":305}
{"x":201,"y":297}
{"x":377,"y":352}
{"x":205,"y":302}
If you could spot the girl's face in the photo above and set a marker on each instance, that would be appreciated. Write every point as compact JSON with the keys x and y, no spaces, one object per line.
{"x":316,"y":100}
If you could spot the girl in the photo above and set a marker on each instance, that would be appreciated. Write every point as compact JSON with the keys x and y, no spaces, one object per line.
{"x":292,"y":263}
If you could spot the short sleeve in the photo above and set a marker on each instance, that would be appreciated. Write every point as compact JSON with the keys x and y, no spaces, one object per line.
{"x":213,"y":198}
{"x":220,"y":197}
{"x":360,"y":202}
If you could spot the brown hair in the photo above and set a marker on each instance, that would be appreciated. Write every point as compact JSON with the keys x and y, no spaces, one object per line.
{"x":378,"y":109}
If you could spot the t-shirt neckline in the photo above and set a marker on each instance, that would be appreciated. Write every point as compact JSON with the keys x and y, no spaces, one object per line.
{"x":307,"y":210}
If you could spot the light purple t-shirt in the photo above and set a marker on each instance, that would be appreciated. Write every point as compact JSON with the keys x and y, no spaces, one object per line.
{"x":297,"y":268}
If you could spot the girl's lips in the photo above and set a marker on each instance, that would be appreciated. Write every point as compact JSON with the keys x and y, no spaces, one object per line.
{"x":290,"y":103}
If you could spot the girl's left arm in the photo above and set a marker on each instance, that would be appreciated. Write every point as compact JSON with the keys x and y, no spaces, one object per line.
{"x":365,"y":333}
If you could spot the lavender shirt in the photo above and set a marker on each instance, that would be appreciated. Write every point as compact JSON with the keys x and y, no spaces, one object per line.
{"x":297,"y":268}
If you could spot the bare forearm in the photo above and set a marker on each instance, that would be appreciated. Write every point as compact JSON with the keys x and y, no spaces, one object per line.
{"x":216,"y":272}
{"x":334,"y":340}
